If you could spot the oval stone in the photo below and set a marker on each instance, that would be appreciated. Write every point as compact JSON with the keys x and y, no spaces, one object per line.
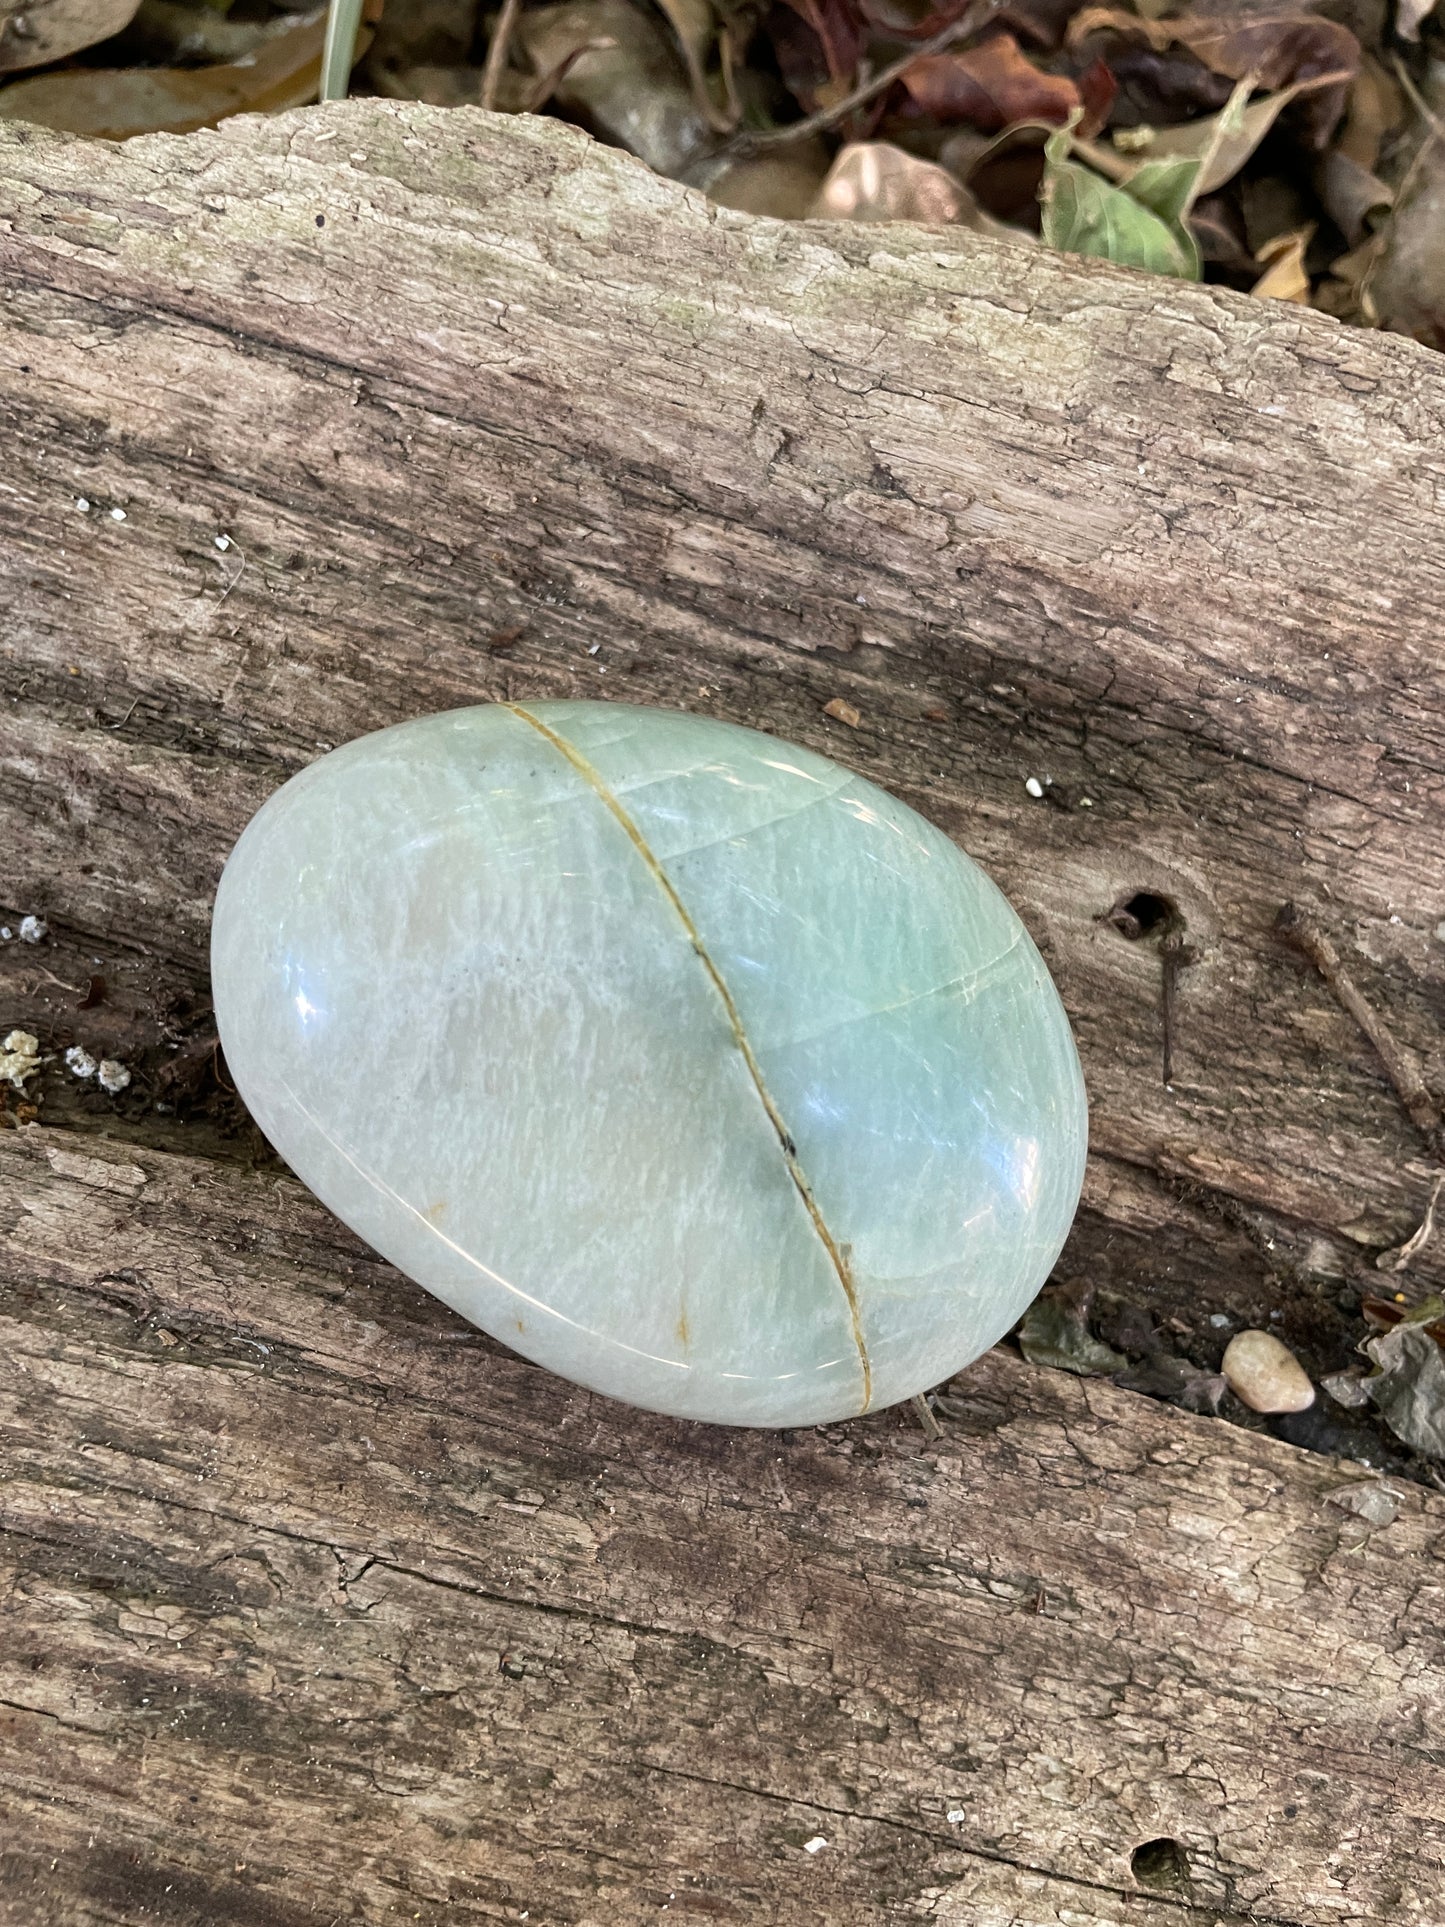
{"x":679,"y":1059}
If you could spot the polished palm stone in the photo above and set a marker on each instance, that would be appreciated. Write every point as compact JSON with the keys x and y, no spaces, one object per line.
{"x":680,"y":1059}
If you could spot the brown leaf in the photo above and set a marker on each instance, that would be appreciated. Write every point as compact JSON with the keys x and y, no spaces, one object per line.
{"x":619,"y":73}
{"x":875,"y":181}
{"x":1219,"y":229}
{"x":1355,"y":199}
{"x":1403,"y":285}
{"x":783,"y":184}
{"x":817,"y":43}
{"x":1283,"y":261}
{"x":191,"y":33}
{"x":1223,"y":143}
{"x":1377,"y":108}
{"x":1277,"y":49}
{"x":992,"y":85}
{"x":36,"y":32}
{"x":1097,"y":90}
{"x":1156,"y":86}
{"x":842,"y":711}
{"x":114,"y":105}
{"x":1411,"y":15}
{"x":1408,"y":1387}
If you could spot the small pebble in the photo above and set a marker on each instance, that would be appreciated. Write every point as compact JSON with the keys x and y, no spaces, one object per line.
{"x":33,"y":929}
{"x":1219,"y":1319}
{"x":815,"y":1845}
{"x":79,"y":1062}
{"x":82,"y":505}
{"x":117,"y":515}
{"x":113,"y":1075}
{"x":1265,"y":1375}
{"x":6,"y":933}
{"x":223,"y":542}
{"x":1034,"y":787}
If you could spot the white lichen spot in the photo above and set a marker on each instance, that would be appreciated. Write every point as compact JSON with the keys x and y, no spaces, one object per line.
{"x":815,"y":1845}
{"x":79,"y":1062}
{"x":33,"y":929}
{"x":1034,"y":787}
{"x":19,"y":1058}
{"x":113,"y":1075}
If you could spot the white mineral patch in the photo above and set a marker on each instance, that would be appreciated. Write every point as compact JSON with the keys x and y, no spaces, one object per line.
{"x":19,"y":1058}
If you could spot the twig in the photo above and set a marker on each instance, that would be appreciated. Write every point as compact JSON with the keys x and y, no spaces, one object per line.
{"x":924,"y":1413}
{"x":964,"y":28}
{"x":497,"y":53}
{"x":1403,"y":1071}
{"x":1397,"y":1259}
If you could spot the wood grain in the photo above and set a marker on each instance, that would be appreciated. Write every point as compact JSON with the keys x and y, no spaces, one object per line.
{"x":319,"y":1606}
{"x":316,"y":1599}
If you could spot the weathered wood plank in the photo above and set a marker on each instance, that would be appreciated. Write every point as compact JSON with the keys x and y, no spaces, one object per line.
{"x":320,"y":1605}
{"x":1178,"y":551}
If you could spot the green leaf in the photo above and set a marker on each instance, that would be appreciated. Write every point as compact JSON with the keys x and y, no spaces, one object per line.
{"x":1085,"y":214}
{"x":1165,"y":187}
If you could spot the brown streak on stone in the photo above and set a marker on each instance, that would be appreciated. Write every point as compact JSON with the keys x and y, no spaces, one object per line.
{"x":785,"y":1138}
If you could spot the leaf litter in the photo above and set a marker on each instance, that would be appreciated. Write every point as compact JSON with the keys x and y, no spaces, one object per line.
{"x":1289,"y":152}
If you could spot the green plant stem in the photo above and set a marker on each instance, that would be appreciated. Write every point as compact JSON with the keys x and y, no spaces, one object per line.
{"x":343,"y":24}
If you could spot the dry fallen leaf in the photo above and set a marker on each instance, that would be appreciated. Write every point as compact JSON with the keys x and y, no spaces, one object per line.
{"x":875,"y":181}
{"x":1055,"y":1332}
{"x":991,"y":85}
{"x":842,"y":711}
{"x":1225,"y":144}
{"x":620,"y":75}
{"x":114,"y":105}
{"x":783,"y":185}
{"x":1409,"y":1388}
{"x":1411,"y":15}
{"x":35,"y":32}
{"x":1283,"y":261}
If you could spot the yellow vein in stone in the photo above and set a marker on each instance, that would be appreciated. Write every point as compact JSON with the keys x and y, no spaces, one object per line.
{"x":664,"y":882}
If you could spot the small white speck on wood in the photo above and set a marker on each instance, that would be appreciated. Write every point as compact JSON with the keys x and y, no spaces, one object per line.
{"x":815,"y":1845}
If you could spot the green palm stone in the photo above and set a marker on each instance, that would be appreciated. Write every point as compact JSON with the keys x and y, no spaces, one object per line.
{"x":678,"y":1058}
